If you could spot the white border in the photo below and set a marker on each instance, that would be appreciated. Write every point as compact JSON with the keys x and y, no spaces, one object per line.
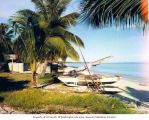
{"x":74,"y":117}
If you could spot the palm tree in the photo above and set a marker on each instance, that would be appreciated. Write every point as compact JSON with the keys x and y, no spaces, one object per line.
{"x":5,"y":40}
{"x":126,"y":13}
{"x":43,"y":35}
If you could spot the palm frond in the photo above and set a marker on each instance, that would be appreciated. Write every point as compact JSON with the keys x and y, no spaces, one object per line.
{"x":5,"y":39}
{"x":56,"y":42}
{"x":71,"y":52}
{"x":20,"y":19}
{"x":73,"y":39}
{"x":69,"y":19}
{"x":40,"y":7}
{"x":104,"y":13}
{"x":62,"y":5}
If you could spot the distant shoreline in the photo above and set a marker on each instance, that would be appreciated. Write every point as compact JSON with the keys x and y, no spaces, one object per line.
{"x":131,"y":71}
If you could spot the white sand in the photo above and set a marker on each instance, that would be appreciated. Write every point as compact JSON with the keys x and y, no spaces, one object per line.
{"x":135,"y":93}
{"x":134,"y":90}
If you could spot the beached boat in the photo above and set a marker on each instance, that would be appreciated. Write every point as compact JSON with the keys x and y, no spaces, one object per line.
{"x":109,"y":80}
{"x":110,"y":89}
{"x":75,"y":81}
{"x":105,"y":83}
{"x":69,"y":81}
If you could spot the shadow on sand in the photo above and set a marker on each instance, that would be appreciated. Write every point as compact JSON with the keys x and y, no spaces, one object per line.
{"x":142,"y":96}
{"x":10,"y":85}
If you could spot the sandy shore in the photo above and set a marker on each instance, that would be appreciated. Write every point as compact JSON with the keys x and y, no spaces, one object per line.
{"x":131,"y":91}
{"x":135,"y":93}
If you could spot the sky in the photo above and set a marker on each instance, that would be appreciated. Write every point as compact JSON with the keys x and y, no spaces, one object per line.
{"x":124,"y":45}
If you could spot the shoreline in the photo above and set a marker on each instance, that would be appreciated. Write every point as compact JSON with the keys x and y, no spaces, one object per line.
{"x":132,"y":91}
{"x":134,"y":72}
{"x":126,"y":77}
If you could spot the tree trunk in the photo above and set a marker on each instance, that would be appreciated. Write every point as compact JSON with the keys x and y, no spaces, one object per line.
{"x":34,"y":80}
{"x":33,"y":66}
{"x":44,"y":67}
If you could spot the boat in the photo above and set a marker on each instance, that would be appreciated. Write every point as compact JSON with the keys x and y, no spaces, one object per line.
{"x":69,"y":81}
{"x":75,"y":81}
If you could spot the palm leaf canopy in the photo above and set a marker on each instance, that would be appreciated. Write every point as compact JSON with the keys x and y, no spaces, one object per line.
{"x":50,"y":8}
{"x":48,"y":29}
{"x":101,"y":13}
{"x":5,"y":37}
{"x":5,"y":40}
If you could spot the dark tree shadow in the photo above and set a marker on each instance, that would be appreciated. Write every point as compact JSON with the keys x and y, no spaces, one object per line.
{"x":4,"y":67}
{"x":11,"y":85}
{"x":1,"y":99}
{"x":141,"y":95}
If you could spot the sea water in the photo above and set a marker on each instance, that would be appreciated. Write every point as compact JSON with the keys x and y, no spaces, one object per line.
{"x":132,"y":71}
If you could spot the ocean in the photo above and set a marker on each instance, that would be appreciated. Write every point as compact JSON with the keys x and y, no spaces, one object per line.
{"x":132,"y":71}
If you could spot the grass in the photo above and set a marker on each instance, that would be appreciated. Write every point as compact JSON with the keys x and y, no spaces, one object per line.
{"x":26,"y":76}
{"x":48,"y":78}
{"x":37,"y":101}
{"x":13,"y":93}
{"x":15,"y":76}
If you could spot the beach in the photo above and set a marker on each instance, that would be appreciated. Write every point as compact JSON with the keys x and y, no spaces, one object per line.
{"x":133,"y":78}
{"x":132,"y":91}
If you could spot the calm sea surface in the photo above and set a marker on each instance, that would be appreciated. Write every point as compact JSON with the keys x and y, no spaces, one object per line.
{"x":132,"y":71}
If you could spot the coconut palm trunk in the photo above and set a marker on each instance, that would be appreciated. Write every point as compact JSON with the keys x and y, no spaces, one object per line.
{"x":33,"y":67}
{"x":34,"y":82}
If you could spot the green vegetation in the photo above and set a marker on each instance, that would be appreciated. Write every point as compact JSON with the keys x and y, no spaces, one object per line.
{"x":43,"y":34}
{"x":58,"y":99}
{"x":37,"y":101}
{"x":48,"y":78}
{"x":5,"y":41}
{"x":15,"y":76}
